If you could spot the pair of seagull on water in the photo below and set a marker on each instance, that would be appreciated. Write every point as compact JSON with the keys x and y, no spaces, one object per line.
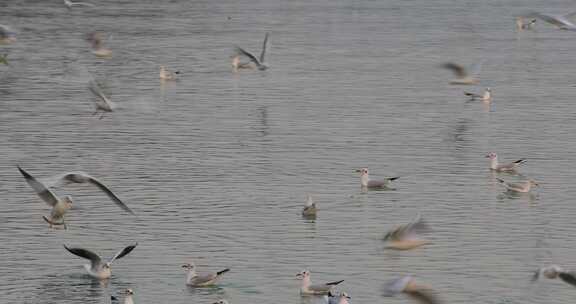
{"x":257,"y":62}
{"x":511,"y":167}
{"x":61,"y":205}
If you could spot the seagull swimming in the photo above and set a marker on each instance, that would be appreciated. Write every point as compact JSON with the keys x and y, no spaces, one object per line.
{"x":308,"y":289}
{"x":463,"y":76}
{"x":7,"y":35}
{"x":407,"y":284}
{"x":69,"y":4}
{"x":509,"y":167}
{"x":98,"y":268}
{"x":59,"y":205}
{"x":341,"y":298}
{"x":104,"y":104}
{"x":555,"y":271}
{"x":560,"y":21}
{"x":486,"y":97}
{"x":204,"y":279}
{"x":523,"y":187}
{"x":128,"y":293}
{"x":98,"y":49}
{"x":168,"y":75}
{"x":310,"y":208}
{"x":522,"y":25}
{"x":404,"y":237}
{"x":366,"y":182}
{"x":259,"y":62}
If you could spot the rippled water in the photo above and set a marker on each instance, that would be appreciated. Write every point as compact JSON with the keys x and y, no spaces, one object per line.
{"x":217,"y":165}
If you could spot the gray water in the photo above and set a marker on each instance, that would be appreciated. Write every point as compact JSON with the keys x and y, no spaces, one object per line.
{"x":217,"y":166}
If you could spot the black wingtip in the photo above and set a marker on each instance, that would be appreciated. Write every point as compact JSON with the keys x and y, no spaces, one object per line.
{"x":520,"y":161}
{"x":223,"y":271}
{"x":394,"y":178}
{"x":335,"y":283}
{"x":23,"y":172}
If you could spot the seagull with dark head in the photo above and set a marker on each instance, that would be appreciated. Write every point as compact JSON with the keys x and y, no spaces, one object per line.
{"x":366,"y":182}
{"x":195,"y":279}
{"x":98,"y":268}
{"x":307,"y":288}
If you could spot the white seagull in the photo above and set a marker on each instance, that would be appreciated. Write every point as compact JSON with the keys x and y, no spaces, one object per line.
{"x":308,"y":289}
{"x":508,"y":167}
{"x":98,"y":268}
{"x":310,"y":208}
{"x":555,"y":271}
{"x":422,"y":293}
{"x":103,"y":104}
{"x":259,"y":62}
{"x":560,"y":21}
{"x":463,"y":76}
{"x":168,"y":75}
{"x":404,"y":237}
{"x":523,"y":187}
{"x":7,"y":35}
{"x":204,"y":279}
{"x":69,"y":4}
{"x":486,"y":97}
{"x":366,"y":182}
{"x":128,"y":293}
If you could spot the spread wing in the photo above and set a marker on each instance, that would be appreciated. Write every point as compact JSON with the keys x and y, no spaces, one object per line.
{"x":264,"y":45}
{"x":95,"y":260}
{"x":252,"y":58}
{"x":458,"y":70}
{"x":568,"y":277}
{"x":45,"y":194}
{"x":122,"y":253}
{"x":111,"y":195}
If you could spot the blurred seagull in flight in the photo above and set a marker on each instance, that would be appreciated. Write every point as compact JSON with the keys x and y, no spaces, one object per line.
{"x":7,"y":35}
{"x":69,"y":4}
{"x":366,"y":182}
{"x":555,"y":271}
{"x":103,"y":104}
{"x":523,"y":187}
{"x":98,"y":49}
{"x":486,"y":97}
{"x":404,"y":237}
{"x":521,"y":23}
{"x":560,"y":21}
{"x":259,"y":62}
{"x":508,"y":167}
{"x":98,"y":268}
{"x":463,"y":76}
{"x":422,"y":293}
{"x":203,"y":279}
{"x":320,"y":289}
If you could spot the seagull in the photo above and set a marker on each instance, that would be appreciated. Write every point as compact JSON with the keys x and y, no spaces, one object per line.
{"x":167,"y":75}
{"x":463,"y":76}
{"x":69,"y":4}
{"x":59,"y":205}
{"x":98,"y":49}
{"x":221,"y":301}
{"x":486,"y":97}
{"x":509,"y":167}
{"x":83,"y":178}
{"x":518,"y":187}
{"x":522,"y":25}
{"x":403,"y":237}
{"x":321,"y":289}
{"x":341,"y":298}
{"x":555,"y":271}
{"x":560,"y":21}
{"x":310,"y":208}
{"x":128,"y":296}
{"x":7,"y":35}
{"x":259,"y":62}
{"x":204,"y":279}
{"x":366,"y":182}
{"x":104,"y":104}
{"x":97,"y":268}
{"x":422,"y":293}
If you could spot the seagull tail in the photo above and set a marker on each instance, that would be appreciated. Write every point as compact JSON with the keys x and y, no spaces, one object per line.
{"x":520,"y":161}
{"x":394,"y":178}
{"x":221,"y":272}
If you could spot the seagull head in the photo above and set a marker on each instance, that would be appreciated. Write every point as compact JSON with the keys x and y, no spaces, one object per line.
{"x":68,"y":201}
{"x":221,"y":301}
{"x":107,"y":265}
{"x":534,"y":183}
{"x":303,"y":274}
{"x":491,"y":155}
{"x":128,"y":292}
{"x":188,"y":266}
{"x":363,"y":171}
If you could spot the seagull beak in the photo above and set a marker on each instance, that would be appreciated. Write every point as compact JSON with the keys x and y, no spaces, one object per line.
{"x":348,"y":297}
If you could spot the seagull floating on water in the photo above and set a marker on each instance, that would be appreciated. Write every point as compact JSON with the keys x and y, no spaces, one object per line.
{"x":560,"y":21}
{"x":204,"y":279}
{"x":98,"y":49}
{"x":404,"y":237}
{"x":259,"y":62}
{"x":486,"y":97}
{"x":523,"y":187}
{"x":555,"y":271}
{"x":407,"y":285}
{"x":128,"y":293}
{"x":463,"y":76}
{"x":310,"y":208}
{"x":168,"y":75}
{"x":98,"y":268}
{"x":366,"y":182}
{"x":7,"y":35}
{"x":103,"y":104}
{"x":69,"y":4}
{"x":509,"y":167}
{"x":308,"y":289}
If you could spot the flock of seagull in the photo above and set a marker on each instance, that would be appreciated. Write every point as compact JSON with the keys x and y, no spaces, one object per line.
{"x":401,"y":237}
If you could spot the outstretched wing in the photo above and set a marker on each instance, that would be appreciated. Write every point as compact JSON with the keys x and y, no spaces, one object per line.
{"x":568,"y":277}
{"x":45,"y":194}
{"x":264,"y":45}
{"x":120,"y":254}
{"x":95,"y":260}
{"x":252,"y":58}
{"x":109,"y":193}
{"x":459,"y":70}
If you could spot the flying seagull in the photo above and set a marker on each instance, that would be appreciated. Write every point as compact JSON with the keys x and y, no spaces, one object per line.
{"x":98,"y":48}
{"x":555,"y":271}
{"x":404,"y":237}
{"x":103,"y":104}
{"x":308,"y":289}
{"x":421,"y":293}
{"x":259,"y":62}
{"x":204,"y":279}
{"x":486,"y":97}
{"x":366,"y":182}
{"x":7,"y":35}
{"x":463,"y":76}
{"x":98,"y":268}
{"x":521,"y":24}
{"x":560,"y":21}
